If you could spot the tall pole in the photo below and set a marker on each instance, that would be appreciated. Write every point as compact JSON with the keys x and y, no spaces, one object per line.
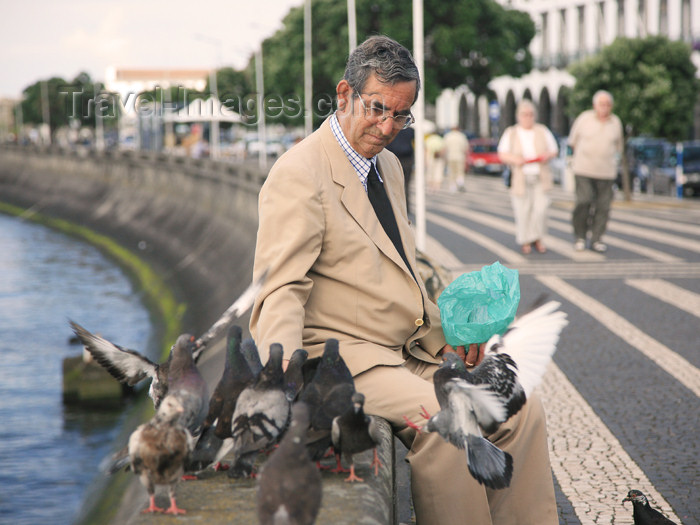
{"x":45,"y":109}
{"x":419,"y":112}
{"x":214,"y":129}
{"x":99,"y":123}
{"x":262,"y":133}
{"x":308,"y":78}
{"x":19,"y":121}
{"x":352,"y":26}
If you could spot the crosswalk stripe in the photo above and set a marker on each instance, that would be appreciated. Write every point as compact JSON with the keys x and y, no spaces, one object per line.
{"x":669,"y":293}
{"x":558,"y":245}
{"x":675,"y":365}
{"x":502,"y":253}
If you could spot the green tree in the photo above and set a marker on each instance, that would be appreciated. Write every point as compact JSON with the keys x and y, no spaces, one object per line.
{"x":652,"y":81}
{"x":466,"y":42}
{"x":68,"y":102}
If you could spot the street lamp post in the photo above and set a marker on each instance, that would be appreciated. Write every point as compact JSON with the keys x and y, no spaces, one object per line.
{"x":213,"y":87}
{"x":419,"y":112}
{"x":262,"y":132}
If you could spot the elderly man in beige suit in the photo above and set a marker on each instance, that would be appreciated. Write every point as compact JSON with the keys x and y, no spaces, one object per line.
{"x":335,"y":270}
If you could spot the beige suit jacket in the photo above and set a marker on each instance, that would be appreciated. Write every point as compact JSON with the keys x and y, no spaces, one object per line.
{"x":332,"y":270}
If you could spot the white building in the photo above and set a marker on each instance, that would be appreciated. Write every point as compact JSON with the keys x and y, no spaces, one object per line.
{"x":567,"y":30}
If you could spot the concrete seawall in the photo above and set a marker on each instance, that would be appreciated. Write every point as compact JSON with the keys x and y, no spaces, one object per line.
{"x":194,"y":221}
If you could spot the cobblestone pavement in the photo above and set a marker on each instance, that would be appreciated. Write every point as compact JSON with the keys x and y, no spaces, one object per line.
{"x":622,"y":394}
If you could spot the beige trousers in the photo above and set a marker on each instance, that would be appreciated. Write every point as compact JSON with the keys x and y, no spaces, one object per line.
{"x":444,"y":493}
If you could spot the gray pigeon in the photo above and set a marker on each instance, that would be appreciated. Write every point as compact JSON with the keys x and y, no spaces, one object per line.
{"x":293,"y":375}
{"x":328,"y":395}
{"x":643,"y":513}
{"x":354,"y":432}
{"x":157,"y":452}
{"x":125,"y":365}
{"x":217,"y":425}
{"x":252,"y":356}
{"x":289,"y":485}
{"x":261,"y":416}
{"x":496,"y":389}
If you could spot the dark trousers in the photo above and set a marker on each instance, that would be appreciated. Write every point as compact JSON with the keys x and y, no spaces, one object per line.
{"x":593,"y":199}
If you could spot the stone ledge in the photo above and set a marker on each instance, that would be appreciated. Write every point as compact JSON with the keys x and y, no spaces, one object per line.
{"x":215,"y":499}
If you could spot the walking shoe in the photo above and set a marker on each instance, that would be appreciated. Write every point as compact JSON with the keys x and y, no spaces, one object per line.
{"x":580,"y":245}
{"x":599,"y":247}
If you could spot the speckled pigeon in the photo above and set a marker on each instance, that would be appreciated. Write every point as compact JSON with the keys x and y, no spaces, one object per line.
{"x":261,"y":415}
{"x":289,"y":485}
{"x":157,"y":451}
{"x":354,"y":432}
{"x":643,"y":513}
{"x":495,"y":390}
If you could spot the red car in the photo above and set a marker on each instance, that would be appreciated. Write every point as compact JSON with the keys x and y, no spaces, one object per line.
{"x":483,"y":157}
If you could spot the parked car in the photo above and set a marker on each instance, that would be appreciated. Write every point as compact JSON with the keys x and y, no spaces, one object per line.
{"x":643,"y":155}
{"x":663,"y":176}
{"x":483,"y":157}
{"x":691,"y":168}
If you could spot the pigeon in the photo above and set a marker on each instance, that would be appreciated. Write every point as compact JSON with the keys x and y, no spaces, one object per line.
{"x":328,"y":394}
{"x":643,"y":514}
{"x":217,"y":425}
{"x":293,"y":375}
{"x":126,"y":365}
{"x":496,"y":389}
{"x":252,"y":356}
{"x":157,"y":451}
{"x":261,"y":416}
{"x":289,"y":485}
{"x":355,"y":432}
{"x":235,"y":377}
{"x":177,"y":376}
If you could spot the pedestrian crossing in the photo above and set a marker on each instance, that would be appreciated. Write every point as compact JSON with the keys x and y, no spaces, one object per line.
{"x":653,"y":252}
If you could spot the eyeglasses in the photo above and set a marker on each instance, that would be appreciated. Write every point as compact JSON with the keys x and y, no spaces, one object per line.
{"x":380,"y":115}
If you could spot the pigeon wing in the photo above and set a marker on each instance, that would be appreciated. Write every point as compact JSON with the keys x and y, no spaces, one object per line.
{"x":531,"y":341}
{"x":127,"y":366}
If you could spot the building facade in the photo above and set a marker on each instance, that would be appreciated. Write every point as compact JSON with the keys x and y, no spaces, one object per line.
{"x":566,"y":31}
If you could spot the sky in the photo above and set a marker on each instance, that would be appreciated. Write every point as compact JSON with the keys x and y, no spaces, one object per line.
{"x":40,"y":39}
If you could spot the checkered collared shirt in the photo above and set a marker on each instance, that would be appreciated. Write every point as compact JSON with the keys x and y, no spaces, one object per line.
{"x":361,"y":164}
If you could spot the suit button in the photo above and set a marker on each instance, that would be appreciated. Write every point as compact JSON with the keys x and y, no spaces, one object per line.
{"x":419,"y":322}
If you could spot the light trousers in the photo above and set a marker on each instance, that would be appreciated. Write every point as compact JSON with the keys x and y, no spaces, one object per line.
{"x":530,"y":212}
{"x":444,"y":493}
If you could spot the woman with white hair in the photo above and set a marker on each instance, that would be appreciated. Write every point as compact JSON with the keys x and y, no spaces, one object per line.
{"x":528,"y":147}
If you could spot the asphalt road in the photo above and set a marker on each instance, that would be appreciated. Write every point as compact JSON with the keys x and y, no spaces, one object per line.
{"x":622,"y":396}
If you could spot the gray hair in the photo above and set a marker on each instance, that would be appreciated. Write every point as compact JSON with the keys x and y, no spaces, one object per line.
{"x":526,"y":103}
{"x":601,"y":93}
{"x":389,"y":60}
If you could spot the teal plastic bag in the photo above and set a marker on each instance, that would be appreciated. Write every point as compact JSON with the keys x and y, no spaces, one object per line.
{"x":479,"y":304}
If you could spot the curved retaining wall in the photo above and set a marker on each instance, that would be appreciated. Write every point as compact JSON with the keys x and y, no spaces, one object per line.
{"x":194,"y":221}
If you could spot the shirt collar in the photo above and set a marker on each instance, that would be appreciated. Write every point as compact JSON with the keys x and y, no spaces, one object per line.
{"x":361,"y":164}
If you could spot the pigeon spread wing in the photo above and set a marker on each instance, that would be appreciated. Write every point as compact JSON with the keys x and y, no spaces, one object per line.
{"x":531,"y":341}
{"x":127,"y":366}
